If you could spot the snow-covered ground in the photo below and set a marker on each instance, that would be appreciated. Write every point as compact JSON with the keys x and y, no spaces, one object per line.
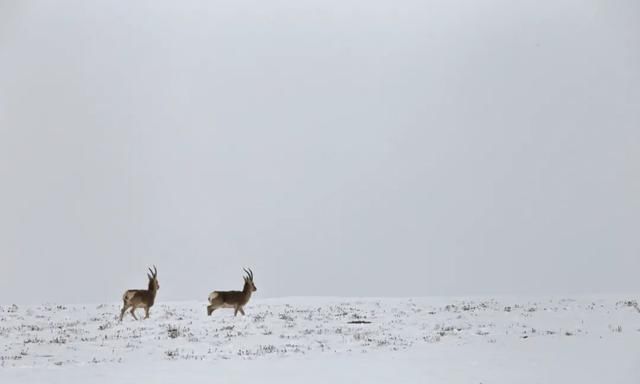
{"x":328,"y":340}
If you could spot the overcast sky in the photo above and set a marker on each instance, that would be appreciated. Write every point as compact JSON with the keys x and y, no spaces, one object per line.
{"x":349,"y":148}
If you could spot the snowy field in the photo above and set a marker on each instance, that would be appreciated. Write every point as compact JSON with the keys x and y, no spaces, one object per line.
{"x":328,"y":340}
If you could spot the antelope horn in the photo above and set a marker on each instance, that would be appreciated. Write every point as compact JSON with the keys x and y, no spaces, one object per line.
{"x":155,"y":273}
{"x":250,"y":271}
{"x":247,"y":272}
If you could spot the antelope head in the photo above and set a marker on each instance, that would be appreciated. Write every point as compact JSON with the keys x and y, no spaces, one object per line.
{"x":248,"y":280}
{"x":153,"y":279}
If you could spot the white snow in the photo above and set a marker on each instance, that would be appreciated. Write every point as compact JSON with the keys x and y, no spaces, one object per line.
{"x":311,"y":340}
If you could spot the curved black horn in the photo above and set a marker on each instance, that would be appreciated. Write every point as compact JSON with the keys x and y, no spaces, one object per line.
{"x":155,"y":273}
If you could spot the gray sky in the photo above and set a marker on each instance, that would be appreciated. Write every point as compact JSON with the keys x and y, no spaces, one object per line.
{"x":350,"y":148}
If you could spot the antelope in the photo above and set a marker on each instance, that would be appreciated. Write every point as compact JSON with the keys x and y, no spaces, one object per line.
{"x":141,"y":298}
{"x":233,"y":299}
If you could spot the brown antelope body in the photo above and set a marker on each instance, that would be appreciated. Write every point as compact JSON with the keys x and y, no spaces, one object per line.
{"x":233,"y":299}
{"x":141,"y":298}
